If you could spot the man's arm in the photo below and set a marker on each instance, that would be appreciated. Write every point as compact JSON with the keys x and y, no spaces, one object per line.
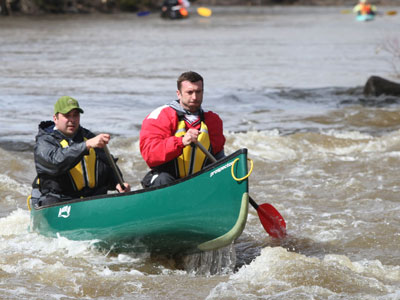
{"x":216,"y":133}
{"x":52,"y":159}
{"x":158,"y":143}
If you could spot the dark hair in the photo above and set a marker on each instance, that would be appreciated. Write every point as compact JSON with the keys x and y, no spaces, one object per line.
{"x":189,"y":76}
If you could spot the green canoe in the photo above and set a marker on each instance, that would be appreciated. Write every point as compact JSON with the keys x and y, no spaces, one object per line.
{"x":201,"y":212}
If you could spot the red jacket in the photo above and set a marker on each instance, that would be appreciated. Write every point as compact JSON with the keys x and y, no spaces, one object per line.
{"x":158,"y":143}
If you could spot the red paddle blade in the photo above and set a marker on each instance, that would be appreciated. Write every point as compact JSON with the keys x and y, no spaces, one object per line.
{"x":271,"y":220}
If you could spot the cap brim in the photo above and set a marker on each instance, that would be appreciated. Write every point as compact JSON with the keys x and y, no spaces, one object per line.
{"x":77,"y":108}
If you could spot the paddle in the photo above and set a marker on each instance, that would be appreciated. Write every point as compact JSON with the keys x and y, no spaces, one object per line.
{"x":143,"y":13}
{"x":389,"y":13}
{"x":114,"y":167}
{"x":270,"y":218}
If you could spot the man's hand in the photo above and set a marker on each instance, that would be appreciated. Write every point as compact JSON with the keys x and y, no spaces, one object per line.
{"x":190,"y":137}
{"x":98,"y":141}
{"x":127,"y":188}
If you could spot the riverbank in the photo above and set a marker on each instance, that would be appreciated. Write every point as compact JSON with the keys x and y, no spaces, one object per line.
{"x":40,"y":7}
{"x":294,"y":2}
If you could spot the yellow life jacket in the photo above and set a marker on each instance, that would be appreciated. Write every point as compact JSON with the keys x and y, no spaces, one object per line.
{"x":84,"y":172}
{"x":192,"y":159}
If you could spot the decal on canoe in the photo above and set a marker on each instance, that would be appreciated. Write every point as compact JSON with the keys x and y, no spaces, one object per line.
{"x":221,"y":169}
{"x":64,"y":211}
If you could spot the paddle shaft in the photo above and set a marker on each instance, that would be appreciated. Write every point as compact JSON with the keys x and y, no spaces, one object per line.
{"x":213,"y":159}
{"x":114,"y":167}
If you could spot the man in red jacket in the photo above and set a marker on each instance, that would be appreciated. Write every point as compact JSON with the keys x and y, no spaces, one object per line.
{"x":169,"y":134}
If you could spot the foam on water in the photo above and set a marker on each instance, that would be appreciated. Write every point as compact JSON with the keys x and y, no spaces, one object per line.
{"x":272,"y":146}
{"x":59,"y":262}
{"x":9,"y":184}
{"x":322,"y":224}
{"x":262,"y":144}
{"x":76,"y":268}
{"x":280,"y":274}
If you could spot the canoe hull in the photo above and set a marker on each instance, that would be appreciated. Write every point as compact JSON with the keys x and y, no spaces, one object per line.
{"x":205,"y":211}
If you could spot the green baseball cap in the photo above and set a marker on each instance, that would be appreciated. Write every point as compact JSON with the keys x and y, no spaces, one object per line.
{"x":65,"y":104}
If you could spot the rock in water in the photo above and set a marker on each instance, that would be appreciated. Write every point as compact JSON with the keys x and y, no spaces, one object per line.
{"x":376,"y":86}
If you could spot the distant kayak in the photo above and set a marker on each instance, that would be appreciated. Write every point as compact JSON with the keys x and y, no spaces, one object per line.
{"x":204,"y":11}
{"x":368,"y":17}
{"x":143,"y":13}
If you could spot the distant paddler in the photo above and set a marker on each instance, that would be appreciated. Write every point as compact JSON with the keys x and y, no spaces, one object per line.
{"x":364,"y":10}
{"x":175,"y":9}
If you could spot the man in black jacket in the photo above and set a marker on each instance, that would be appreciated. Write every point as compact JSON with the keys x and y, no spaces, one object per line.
{"x":69,"y":159}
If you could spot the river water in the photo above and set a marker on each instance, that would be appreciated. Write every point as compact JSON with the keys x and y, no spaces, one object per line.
{"x":287,"y":81}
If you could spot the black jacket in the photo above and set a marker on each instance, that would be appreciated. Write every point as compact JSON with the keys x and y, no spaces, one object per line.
{"x":53,"y":163}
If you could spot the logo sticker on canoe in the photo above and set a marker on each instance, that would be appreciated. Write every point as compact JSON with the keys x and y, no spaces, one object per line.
{"x":221,"y":169}
{"x":64,"y":211}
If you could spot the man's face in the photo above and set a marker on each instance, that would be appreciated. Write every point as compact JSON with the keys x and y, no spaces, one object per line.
{"x":191,"y":95}
{"x":68,"y":123}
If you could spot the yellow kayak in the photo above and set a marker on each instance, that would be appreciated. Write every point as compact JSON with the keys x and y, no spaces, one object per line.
{"x":204,"y":11}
